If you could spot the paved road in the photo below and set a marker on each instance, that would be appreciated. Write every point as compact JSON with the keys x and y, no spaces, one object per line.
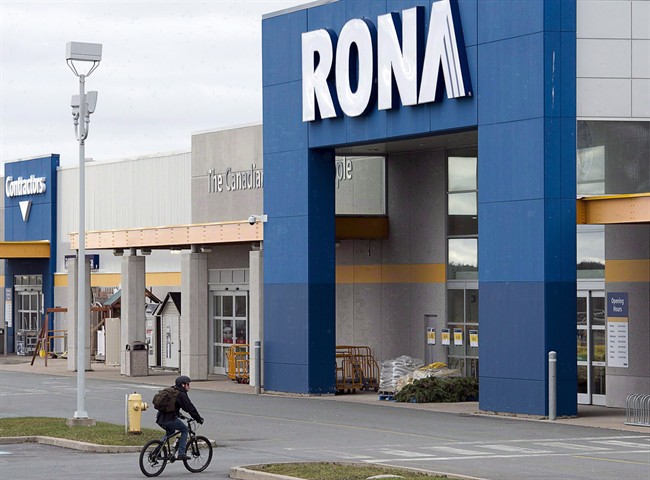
{"x":257,"y":429}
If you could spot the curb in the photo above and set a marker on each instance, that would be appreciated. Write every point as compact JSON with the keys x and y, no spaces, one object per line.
{"x":242,"y":473}
{"x":71,"y":444}
{"x":76,"y":445}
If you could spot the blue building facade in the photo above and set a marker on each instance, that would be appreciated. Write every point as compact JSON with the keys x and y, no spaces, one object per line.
{"x":30,"y":214}
{"x":518,"y":63}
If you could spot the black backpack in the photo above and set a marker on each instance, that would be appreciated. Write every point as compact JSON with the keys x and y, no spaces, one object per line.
{"x":165,"y":400}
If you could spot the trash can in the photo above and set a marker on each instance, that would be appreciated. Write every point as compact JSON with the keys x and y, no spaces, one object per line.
{"x":137,"y":359}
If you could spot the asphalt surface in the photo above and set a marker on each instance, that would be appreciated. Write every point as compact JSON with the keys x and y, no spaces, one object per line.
{"x":254,"y":429}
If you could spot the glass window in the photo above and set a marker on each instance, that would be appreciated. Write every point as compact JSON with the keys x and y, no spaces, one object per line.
{"x":598,"y":311}
{"x":590,"y":244}
{"x":590,"y":171}
{"x":240,"y":306}
{"x":227,"y":306}
{"x":360,"y":185}
{"x":616,"y":152}
{"x":455,"y":300}
{"x":463,"y":258}
{"x":582,"y":311}
{"x":582,"y":345}
{"x":471,"y":306}
{"x":462,"y":217}
{"x":217,"y":305}
{"x":461,"y":173}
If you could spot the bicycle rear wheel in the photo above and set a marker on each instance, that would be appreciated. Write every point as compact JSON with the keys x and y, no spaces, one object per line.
{"x":153,"y":458}
{"x":200,"y":451}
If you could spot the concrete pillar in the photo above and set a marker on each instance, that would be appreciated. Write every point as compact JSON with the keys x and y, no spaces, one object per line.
{"x":256,"y":309}
{"x":132,"y":324}
{"x":194,"y":316}
{"x":627,"y":270}
{"x":71,"y":315}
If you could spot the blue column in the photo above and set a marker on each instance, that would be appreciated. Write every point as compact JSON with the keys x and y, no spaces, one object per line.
{"x":527,"y":219}
{"x":299,"y":258}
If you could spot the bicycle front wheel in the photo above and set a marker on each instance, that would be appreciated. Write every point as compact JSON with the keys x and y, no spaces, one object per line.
{"x":199,"y":449}
{"x":153,"y":458}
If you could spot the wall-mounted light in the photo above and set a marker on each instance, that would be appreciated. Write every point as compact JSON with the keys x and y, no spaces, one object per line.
{"x":206,"y":249}
{"x":145,"y":251}
{"x":118,"y":252}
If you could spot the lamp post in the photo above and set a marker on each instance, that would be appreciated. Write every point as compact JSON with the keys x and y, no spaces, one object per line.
{"x":82,"y":106}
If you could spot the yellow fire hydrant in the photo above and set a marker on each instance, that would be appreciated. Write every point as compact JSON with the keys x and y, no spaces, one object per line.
{"x":135,"y":407}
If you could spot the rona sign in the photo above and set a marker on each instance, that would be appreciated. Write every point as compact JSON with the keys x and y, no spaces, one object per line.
{"x":388,"y":63}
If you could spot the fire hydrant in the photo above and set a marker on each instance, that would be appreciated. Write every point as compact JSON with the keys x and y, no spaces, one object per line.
{"x":135,"y":407}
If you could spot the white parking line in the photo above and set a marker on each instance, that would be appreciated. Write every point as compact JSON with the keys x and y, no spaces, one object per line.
{"x":513,"y":449}
{"x":573,"y":446}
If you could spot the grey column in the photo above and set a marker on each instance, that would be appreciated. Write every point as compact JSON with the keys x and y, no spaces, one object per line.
{"x":71,"y":315}
{"x":630,"y":242}
{"x":256,"y":310}
{"x":132,"y":323}
{"x":194,"y":316}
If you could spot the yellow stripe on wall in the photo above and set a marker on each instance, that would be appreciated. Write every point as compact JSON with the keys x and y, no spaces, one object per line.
{"x":627,"y":270}
{"x":417,"y":273}
{"x":155,"y":279}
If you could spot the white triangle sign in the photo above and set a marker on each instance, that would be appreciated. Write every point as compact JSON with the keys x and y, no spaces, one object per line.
{"x":25,"y":207}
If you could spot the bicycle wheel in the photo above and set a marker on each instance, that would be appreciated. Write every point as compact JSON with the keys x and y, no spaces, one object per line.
{"x":200,"y":451}
{"x":153,"y":458}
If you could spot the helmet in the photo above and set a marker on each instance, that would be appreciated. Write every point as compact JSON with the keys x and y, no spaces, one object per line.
{"x":182,"y":379}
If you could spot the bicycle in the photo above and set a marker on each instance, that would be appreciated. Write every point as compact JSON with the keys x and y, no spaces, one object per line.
{"x":156,"y":453}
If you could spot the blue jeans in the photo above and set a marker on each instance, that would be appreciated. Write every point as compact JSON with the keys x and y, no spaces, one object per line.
{"x":179,"y":425}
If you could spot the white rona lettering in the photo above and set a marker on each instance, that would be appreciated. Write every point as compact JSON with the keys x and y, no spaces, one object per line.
{"x":402,"y":64}
{"x":402,"y":67}
{"x":360,"y":33}
{"x":232,"y":181}
{"x":24,"y":186}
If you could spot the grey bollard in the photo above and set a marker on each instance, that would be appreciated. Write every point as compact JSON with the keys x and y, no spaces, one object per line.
{"x":552,"y":385}
{"x":258,"y":367}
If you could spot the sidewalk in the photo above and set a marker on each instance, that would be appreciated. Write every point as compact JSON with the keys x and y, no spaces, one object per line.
{"x":588,"y":415}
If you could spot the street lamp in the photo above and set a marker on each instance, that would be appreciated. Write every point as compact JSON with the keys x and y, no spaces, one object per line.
{"x":79,"y":54}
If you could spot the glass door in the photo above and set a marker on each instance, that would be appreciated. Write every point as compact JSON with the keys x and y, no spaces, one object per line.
{"x":592,"y":347}
{"x":228,"y":326}
{"x":28,"y":320}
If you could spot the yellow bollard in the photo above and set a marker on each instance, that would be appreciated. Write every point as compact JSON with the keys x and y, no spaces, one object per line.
{"x":135,"y":407}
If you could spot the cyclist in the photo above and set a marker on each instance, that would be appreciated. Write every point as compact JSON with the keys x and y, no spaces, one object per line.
{"x":171,"y":422}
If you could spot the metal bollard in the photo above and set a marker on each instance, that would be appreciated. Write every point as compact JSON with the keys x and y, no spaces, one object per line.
{"x":552,"y":385}
{"x":258,"y":367}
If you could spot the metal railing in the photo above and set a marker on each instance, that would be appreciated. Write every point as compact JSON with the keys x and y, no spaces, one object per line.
{"x":637,"y":408}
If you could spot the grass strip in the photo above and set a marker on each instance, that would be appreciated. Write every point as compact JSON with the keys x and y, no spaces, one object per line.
{"x":101,"y":434}
{"x":339,"y":471}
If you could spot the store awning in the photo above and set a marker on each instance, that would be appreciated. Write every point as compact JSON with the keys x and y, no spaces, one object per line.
{"x":27,"y":249}
{"x":613,"y":209}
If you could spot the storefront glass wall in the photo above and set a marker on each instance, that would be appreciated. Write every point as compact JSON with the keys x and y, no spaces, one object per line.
{"x":462,"y":261}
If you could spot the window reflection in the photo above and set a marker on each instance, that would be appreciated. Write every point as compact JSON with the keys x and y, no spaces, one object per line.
{"x":463,"y":258}
{"x":590,"y":250}
{"x":604,"y":147}
{"x":461,"y":173}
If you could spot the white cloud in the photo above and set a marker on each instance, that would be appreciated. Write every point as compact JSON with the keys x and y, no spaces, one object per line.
{"x":168,"y":69}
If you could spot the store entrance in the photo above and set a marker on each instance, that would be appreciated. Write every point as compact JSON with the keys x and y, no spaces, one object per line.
{"x":29,"y":312}
{"x":228,"y":325}
{"x":592,"y":347}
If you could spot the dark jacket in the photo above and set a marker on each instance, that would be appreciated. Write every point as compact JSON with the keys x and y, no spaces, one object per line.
{"x":183,"y":402}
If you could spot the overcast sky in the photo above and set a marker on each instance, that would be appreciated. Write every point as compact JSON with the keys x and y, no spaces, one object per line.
{"x":169,"y":68}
